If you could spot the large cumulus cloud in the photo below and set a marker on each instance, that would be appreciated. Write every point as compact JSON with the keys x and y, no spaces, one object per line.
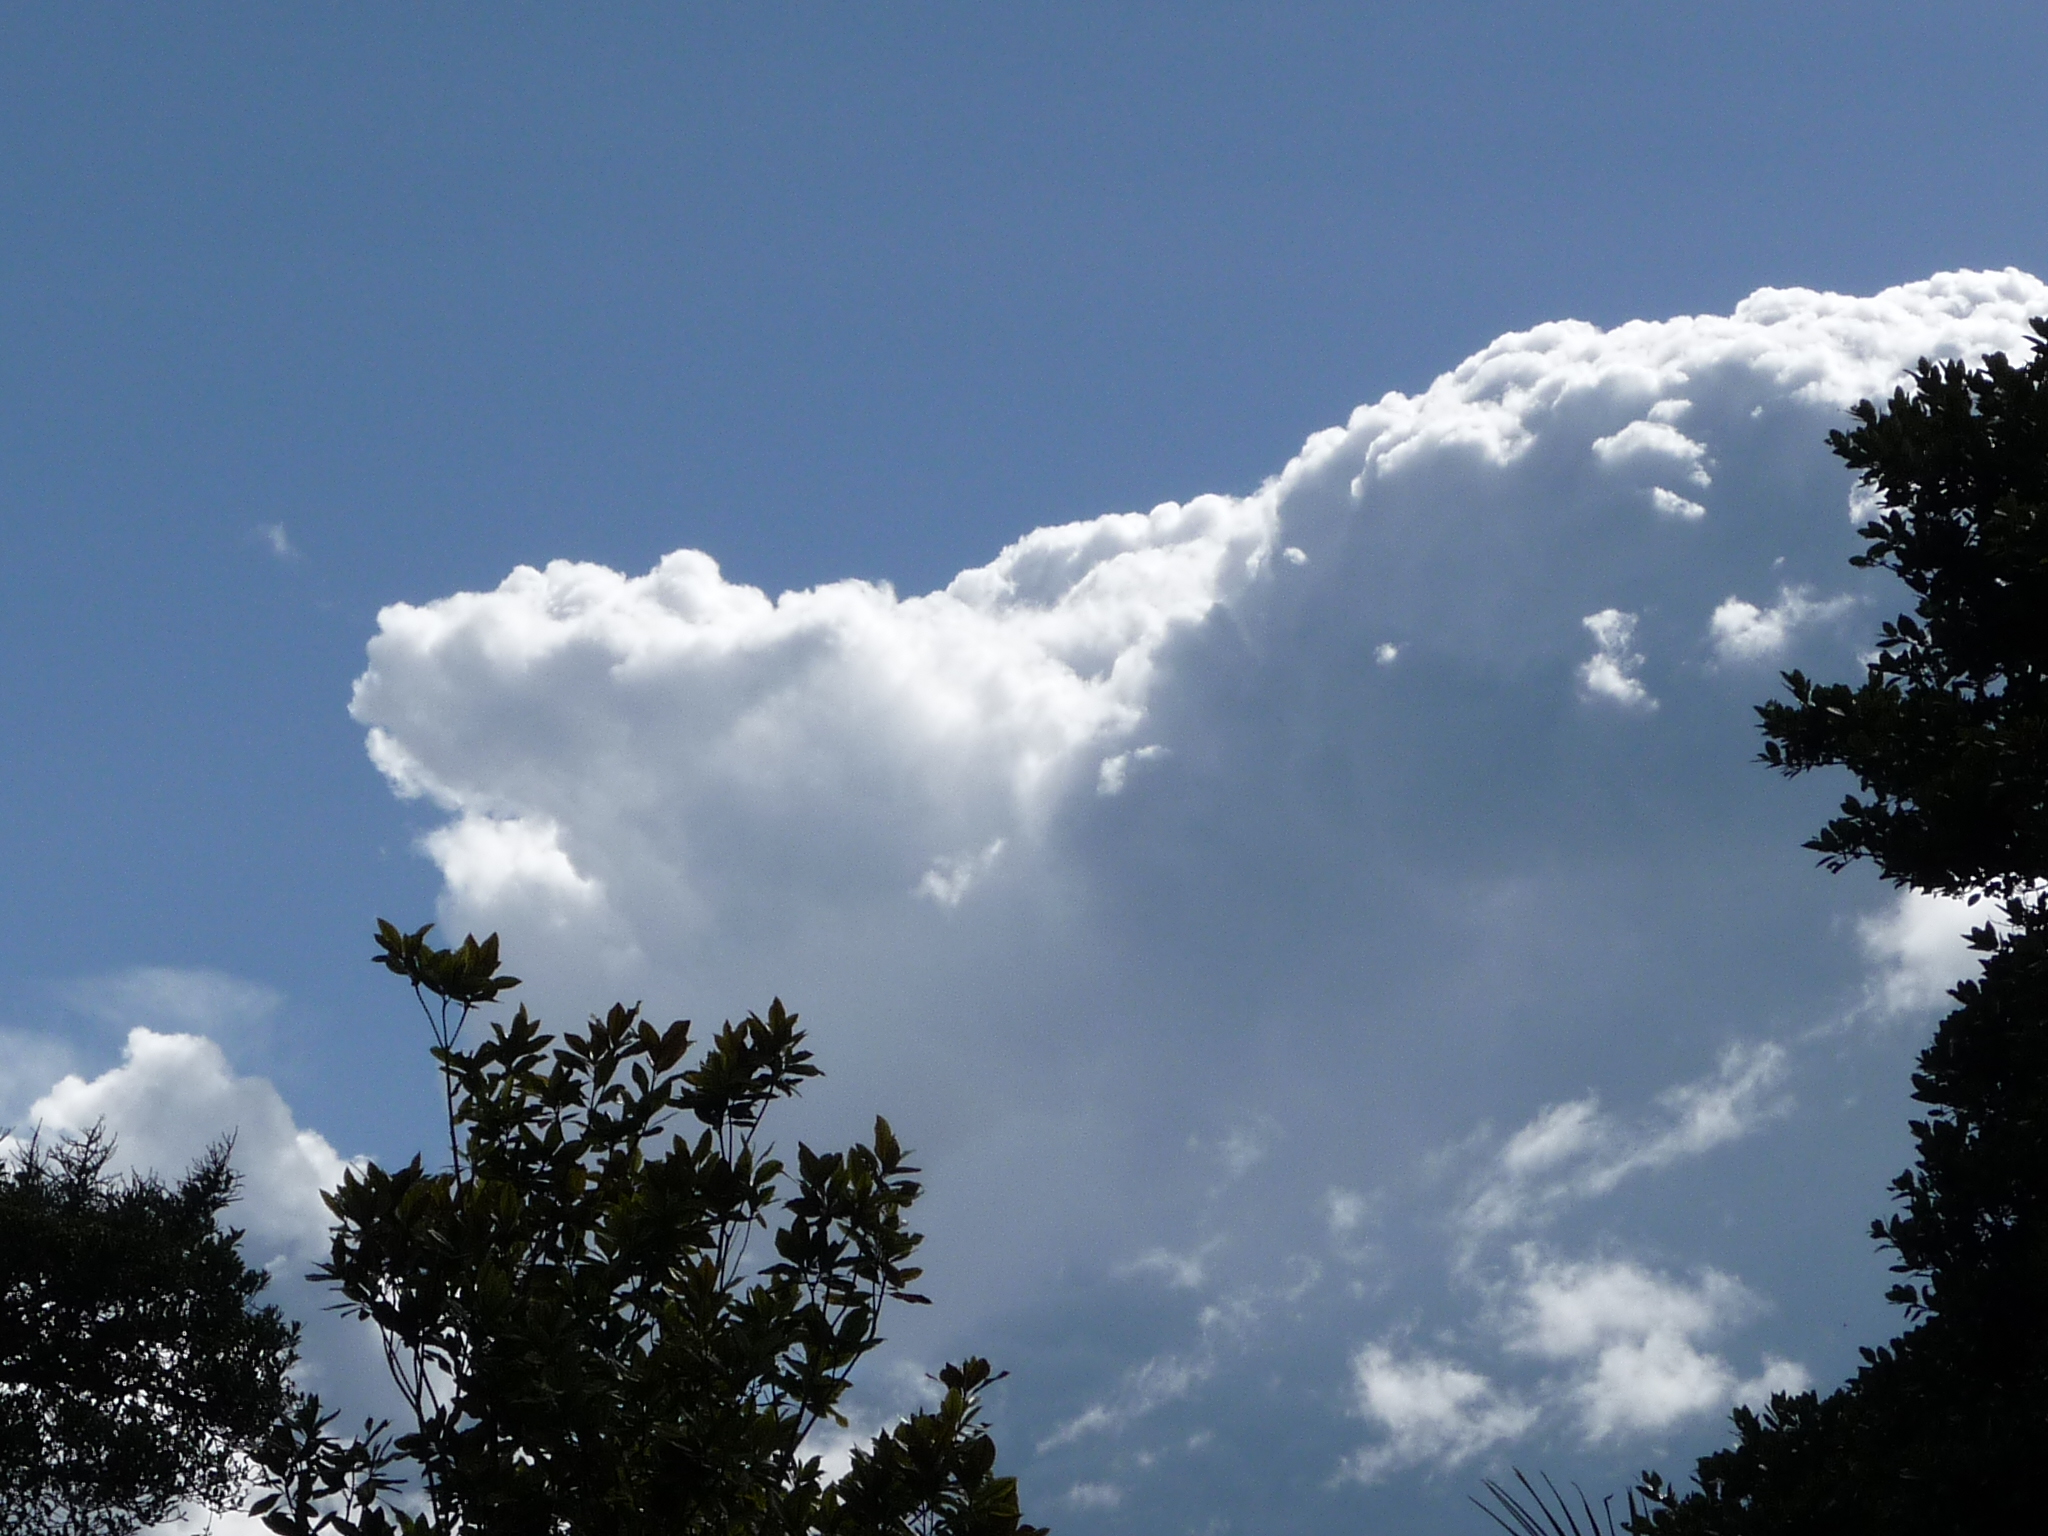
{"x":1199,"y":887}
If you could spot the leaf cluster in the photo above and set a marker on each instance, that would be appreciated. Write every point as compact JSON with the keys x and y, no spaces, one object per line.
{"x":137,"y":1372}
{"x":1948,"y":731}
{"x":617,"y":1310}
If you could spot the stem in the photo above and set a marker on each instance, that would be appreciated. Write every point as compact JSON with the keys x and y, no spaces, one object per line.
{"x":445,"y":1038}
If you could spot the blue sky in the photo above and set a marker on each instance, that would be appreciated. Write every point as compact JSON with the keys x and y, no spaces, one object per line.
{"x":1345,"y":1075}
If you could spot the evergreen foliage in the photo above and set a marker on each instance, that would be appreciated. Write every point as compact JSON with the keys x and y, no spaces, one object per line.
{"x":1948,"y":738}
{"x":137,"y":1375}
{"x":580,"y":1315}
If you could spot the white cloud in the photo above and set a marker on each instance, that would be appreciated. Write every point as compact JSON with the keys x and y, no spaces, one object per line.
{"x":1574,"y":1151}
{"x":171,"y":1097}
{"x":1245,"y":1146}
{"x":1430,"y":1411}
{"x":1660,"y":446}
{"x":1611,"y":672}
{"x":277,"y":541}
{"x":1561,"y":1132}
{"x":1741,"y":631}
{"x":1095,"y":1496}
{"x":1635,"y":1339}
{"x":1348,"y":1211}
{"x":1183,"y":1271}
{"x":1919,"y":949}
{"x":1109,"y":779}
{"x":1572,"y":1311}
{"x":504,"y":859}
{"x":949,"y":879}
{"x":1671,"y":504}
{"x":668,"y":720}
{"x":1778,"y":1375}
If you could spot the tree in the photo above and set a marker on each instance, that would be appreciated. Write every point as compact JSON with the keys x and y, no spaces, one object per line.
{"x":136,"y":1374}
{"x":1947,"y":735}
{"x":580,"y":1316}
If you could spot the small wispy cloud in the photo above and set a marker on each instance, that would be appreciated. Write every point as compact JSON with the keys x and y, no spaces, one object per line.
{"x":1111,"y":776}
{"x":950,"y":878}
{"x":1182,"y":1271}
{"x":1224,"y":1326}
{"x":1347,"y":1210}
{"x":1243,"y":1145}
{"x":1610,"y":674}
{"x":180,"y":999}
{"x":1742,"y":632}
{"x":1576,"y":1151}
{"x":1095,"y":1496}
{"x":29,"y":1063}
{"x":274,"y":538}
{"x":1151,"y":1385}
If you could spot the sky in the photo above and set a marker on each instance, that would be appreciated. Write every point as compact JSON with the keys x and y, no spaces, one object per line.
{"x":1186,"y":584}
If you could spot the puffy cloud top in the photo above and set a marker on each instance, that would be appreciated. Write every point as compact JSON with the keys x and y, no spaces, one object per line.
{"x":902,"y":731}
{"x":597,"y":734}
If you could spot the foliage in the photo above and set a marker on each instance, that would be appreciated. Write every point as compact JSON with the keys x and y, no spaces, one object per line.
{"x":1948,"y":732}
{"x":136,"y":1374}
{"x":1948,"y":737}
{"x":1551,"y":1515}
{"x":579,"y":1319}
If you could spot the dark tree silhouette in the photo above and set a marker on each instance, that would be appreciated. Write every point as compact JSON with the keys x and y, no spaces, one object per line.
{"x":616,"y":1311}
{"x":137,"y":1375}
{"x":1944,"y":1429}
